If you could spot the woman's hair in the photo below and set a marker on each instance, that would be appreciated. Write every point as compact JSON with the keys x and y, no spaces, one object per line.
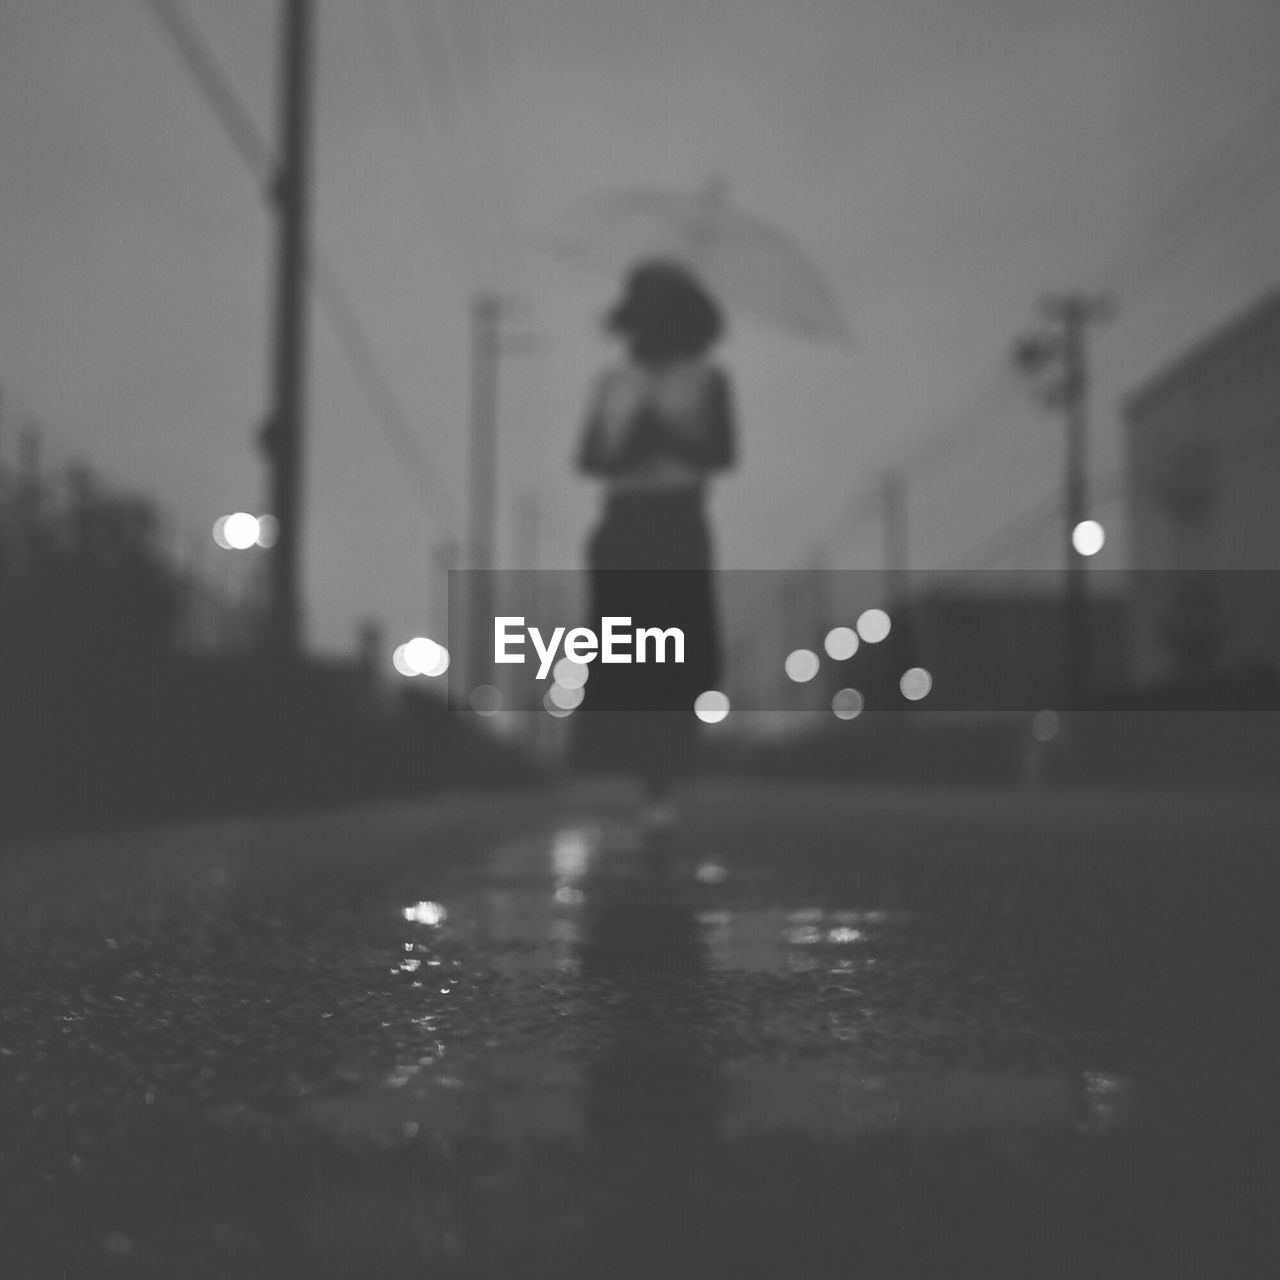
{"x":665,"y":314}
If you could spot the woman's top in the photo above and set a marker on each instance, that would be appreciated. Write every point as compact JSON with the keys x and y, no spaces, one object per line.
{"x":654,"y":430}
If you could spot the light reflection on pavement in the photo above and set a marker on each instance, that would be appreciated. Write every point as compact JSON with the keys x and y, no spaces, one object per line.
{"x":680,"y":1001}
{"x":929,"y":1035}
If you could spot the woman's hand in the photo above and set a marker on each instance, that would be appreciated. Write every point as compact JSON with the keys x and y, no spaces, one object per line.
{"x":616,"y":442}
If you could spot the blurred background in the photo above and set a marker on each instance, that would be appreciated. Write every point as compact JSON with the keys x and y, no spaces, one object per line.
{"x":958,"y":954}
{"x":252,"y":412}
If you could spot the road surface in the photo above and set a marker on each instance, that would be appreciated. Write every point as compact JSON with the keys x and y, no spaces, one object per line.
{"x":850,"y":1033}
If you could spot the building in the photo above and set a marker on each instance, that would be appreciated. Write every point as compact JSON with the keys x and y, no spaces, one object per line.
{"x":1203,"y":444}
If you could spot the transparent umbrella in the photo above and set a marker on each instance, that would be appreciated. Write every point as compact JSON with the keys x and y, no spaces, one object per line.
{"x":752,"y":266}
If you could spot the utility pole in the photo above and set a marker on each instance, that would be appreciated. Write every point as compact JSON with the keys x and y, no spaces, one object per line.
{"x":1059,"y":350}
{"x":283,"y":436}
{"x":488,"y":345}
{"x":444,"y":557}
{"x":527,"y":550}
{"x":486,"y":314}
{"x":527,"y":555}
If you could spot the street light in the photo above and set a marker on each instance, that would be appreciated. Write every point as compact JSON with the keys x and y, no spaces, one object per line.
{"x":241,"y":531}
{"x":1088,"y":538}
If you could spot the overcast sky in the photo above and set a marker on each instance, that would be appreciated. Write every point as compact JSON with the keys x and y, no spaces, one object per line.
{"x":945,"y":161}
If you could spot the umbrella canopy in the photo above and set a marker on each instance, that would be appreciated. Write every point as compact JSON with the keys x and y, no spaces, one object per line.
{"x":752,"y":266}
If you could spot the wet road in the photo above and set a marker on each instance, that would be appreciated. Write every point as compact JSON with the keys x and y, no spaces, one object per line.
{"x":875,"y":1033}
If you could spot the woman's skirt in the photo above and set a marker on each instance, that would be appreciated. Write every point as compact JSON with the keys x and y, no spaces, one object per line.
{"x":650,"y":561}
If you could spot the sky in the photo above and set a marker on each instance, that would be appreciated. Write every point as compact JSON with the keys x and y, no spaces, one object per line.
{"x":945,"y":163}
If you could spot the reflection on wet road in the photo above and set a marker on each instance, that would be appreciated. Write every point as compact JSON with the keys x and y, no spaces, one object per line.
{"x":649,"y":994}
{"x":912,"y":1035}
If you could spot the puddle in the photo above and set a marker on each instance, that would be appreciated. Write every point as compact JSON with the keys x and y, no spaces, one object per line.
{"x":590,"y":991}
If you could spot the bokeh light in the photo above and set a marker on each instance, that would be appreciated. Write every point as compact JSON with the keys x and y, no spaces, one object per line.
{"x":805,"y":935}
{"x":429,"y":913}
{"x":567,"y":699}
{"x":801,"y":665}
{"x":552,"y":709}
{"x":241,"y":530}
{"x":841,"y":643}
{"x":400,"y":663}
{"x":569,"y":674}
{"x":1045,"y":725}
{"x":268,"y":531}
{"x":873,"y":625}
{"x":421,"y":654}
{"x":711,"y":706}
{"x":848,"y":704}
{"x":220,"y":533}
{"x":915,"y":684}
{"x":1088,"y":537}
{"x":440,"y":665}
{"x":571,"y":849}
{"x":486,"y":700}
{"x":842,"y":935}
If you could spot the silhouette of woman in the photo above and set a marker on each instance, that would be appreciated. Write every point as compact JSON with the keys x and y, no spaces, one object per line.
{"x":659,"y":422}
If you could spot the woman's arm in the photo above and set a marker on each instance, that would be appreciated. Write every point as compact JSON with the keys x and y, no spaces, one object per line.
{"x":593,"y":459}
{"x":722,"y":427}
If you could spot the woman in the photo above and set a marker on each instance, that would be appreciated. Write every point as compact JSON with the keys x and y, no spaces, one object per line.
{"x":658,"y":424}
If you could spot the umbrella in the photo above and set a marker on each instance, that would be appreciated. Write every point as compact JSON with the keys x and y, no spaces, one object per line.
{"x":752,"y":266}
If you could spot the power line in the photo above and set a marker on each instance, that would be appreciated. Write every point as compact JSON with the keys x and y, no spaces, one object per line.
{"x":201,"y":62}
{"x":1111,"y":487}
{"x":992,"y":392}
{"x":400,"y":86}
{"x":1241,"y":172}
{"x":464,"y":45}
{"x":388,"y":411}
{"x":409,"y":69}
{"x":450,"y":48}
{"x":1249,"y":159}
{"x":482,"y":97}
{"x":989,"y":395}
{"x":1046,"y":514}
{"x":1219,"y":199}
{"x":1220,"y":188}
{"x":1222,"y":178}
{"x":1247,"y":191}
{"x":431,"y":33}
